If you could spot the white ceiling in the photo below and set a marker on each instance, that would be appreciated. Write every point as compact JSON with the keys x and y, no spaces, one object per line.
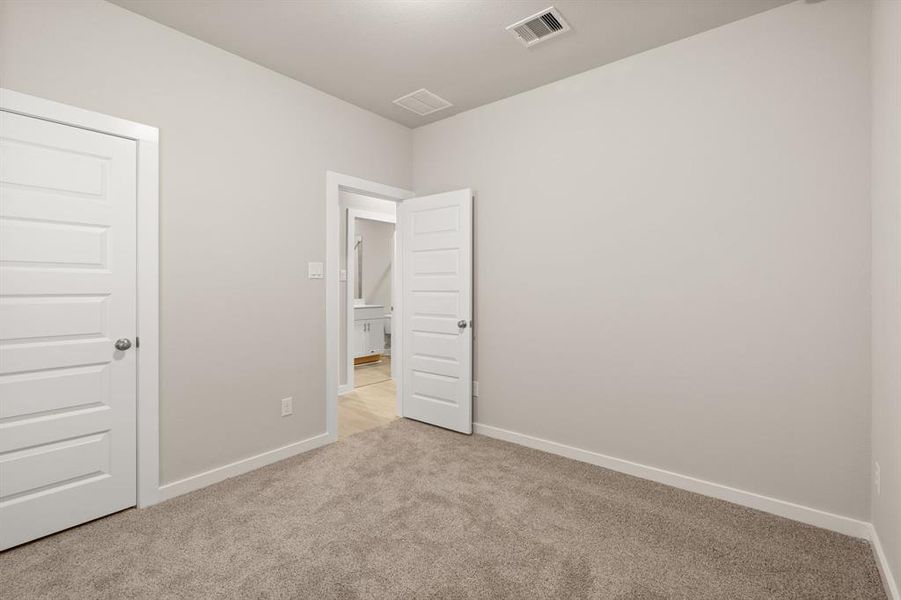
{"x":370,"y":52}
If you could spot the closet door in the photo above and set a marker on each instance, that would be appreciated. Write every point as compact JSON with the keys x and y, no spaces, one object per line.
{"x":67,"y":325}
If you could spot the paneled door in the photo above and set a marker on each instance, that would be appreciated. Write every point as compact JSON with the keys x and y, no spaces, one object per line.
{"x":67,"y":296}
{"x":436,"y":233}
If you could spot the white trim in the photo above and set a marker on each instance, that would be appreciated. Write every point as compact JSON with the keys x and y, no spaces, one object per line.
{"x":48,"y":110}
{"x":148,"y":413}
{"x":147,"y":138}
{"x":397,"y":320}
{"x":334,"y":184}
{"x":239,"y":467}
{"x":372,"y":215}
{"x":352,"y":215}
{"x":885,"y":570}
{"x":782,"y":508}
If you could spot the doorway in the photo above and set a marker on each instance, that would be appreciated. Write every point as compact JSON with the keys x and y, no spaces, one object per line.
{"x":369,"y":397}
{"x":431,"y":326}
{"x":379,"y":203}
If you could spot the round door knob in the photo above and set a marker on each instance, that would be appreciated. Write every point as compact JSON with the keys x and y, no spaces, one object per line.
{"x":123,"y":344}
{"x":461,"y":324}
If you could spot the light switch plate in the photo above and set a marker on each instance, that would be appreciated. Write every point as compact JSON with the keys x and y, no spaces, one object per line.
{"x":314,"y":270}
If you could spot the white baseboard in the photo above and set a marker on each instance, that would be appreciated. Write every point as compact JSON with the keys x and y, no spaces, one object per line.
{"x":345,"y":389}
{"x":782,"y":508}
{"x":885,"y":570}
{"x":201,"y":480}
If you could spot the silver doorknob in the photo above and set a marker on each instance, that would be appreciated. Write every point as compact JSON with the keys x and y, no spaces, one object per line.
{"x":462,"y":323}
{"x":123,"y":344}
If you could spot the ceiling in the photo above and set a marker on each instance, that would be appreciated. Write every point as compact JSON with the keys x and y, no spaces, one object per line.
{"x":370,"y":52}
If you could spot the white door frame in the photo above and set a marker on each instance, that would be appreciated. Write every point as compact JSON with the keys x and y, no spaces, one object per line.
{"x":335,"y":183}
{"x":147,"y":139}
{"x":352,"y":215}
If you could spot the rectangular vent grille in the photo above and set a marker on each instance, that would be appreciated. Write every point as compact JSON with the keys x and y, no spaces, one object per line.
{"x":539,"y":27}
{"x":422,"y":102}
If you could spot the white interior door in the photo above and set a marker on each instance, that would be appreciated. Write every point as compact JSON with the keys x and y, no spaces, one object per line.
{"x":436,"y":234}
{"x":67,"y":292}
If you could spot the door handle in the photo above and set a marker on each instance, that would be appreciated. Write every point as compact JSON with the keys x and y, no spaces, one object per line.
{"x":462,"y":324}
{"x":123,"y":344}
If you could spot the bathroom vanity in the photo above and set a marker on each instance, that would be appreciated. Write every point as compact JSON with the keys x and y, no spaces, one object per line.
{"x":369,"y":332}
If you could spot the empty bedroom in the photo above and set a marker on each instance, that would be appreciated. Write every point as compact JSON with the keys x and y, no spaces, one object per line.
{"x":384,"y":299}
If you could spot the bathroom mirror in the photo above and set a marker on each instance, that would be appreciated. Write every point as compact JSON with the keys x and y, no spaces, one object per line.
{"x":358,"y":267}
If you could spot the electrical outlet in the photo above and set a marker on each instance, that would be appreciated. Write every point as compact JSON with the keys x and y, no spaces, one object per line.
{"x":287,"y":406}
{"x":877,"y":479}
{"x":475,"y":389}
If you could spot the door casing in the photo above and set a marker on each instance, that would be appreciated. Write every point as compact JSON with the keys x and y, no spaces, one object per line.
{"x":335,"y":183}
{"x":147,"y":356}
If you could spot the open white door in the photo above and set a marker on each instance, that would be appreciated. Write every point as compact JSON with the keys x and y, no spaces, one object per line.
{"x":436,"y":233}
{"x":67,"y":291}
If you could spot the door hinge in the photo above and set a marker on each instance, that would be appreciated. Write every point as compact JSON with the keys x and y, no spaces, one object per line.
{"x":137,"y":342}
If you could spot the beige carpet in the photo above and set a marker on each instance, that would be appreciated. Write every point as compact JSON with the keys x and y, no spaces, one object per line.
{"x":411,"y":511}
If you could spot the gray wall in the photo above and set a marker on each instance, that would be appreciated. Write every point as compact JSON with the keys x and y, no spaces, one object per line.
{"x":886,"y":194}
{"x":244,"y":152}
{"x":673,"y":255}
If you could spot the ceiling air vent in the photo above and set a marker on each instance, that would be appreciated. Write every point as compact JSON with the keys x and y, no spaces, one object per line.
{"x":539,"y":27}
{"x":422,"y":102}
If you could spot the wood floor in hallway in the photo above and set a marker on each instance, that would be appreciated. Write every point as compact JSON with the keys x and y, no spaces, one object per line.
{"x":370,"y":405}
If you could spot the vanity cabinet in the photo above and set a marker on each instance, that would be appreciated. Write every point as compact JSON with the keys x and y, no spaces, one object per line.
{"x":369,"y":331}
{"x":369,"y":337}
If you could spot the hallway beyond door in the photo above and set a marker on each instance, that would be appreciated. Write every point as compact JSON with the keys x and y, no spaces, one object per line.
{"x":373,"y":403}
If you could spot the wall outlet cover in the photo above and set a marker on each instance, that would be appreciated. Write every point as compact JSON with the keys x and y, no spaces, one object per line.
{"x":314,"y":270}
{"x":287,"y":406}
